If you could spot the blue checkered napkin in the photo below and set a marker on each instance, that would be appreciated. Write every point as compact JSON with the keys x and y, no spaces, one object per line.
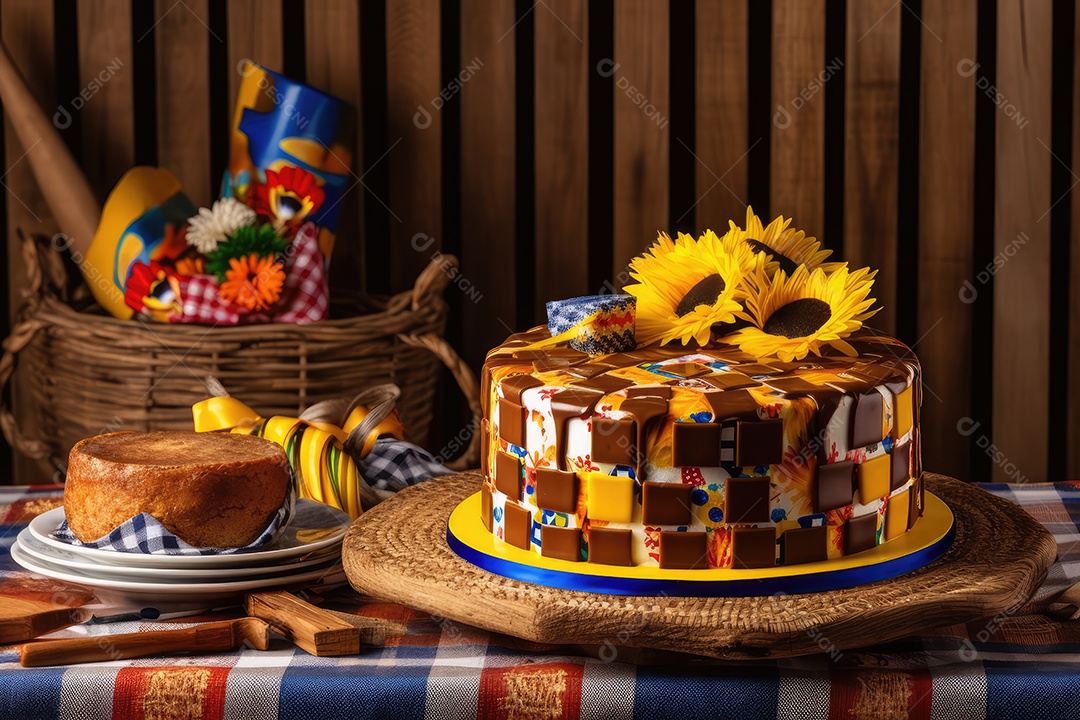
{"x":394,"y":465}
{"x":145,"y":534}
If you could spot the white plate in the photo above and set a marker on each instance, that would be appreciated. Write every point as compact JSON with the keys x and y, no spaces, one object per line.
{"x":313,"y":527}
{"x":62,"y":558}
{"x":174,"y":592}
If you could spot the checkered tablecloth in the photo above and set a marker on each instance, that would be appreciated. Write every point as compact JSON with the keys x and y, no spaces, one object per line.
{"x":1022,"y":665}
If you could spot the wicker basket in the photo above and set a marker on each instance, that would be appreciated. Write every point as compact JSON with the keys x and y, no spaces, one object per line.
{"x":89,"y":373}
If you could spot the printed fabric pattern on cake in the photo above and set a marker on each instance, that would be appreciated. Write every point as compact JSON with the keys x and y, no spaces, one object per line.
{"x":787,"y":434}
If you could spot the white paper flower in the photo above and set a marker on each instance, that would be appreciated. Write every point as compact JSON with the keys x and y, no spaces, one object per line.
{"x":214,"y":225}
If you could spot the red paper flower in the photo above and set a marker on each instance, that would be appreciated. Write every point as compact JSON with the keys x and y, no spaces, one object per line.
{"x":288,"y":198}
{"x":153,"y":290}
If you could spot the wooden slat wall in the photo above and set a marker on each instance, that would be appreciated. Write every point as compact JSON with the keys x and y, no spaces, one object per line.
{"x":946,"y":232}
{"x":488,"y":217}
{"x":721,"y":122}
{"x":1022,"y":239}
{"x":254,"y":33}
{"x":642,"y":113}
{"x":872,"y":123}
{"x":332,"y":64}
{"x":182,"y":40}
{"x":442,"y":94}
{"x":561,"y":153}
{"x":797,"y":160}
{"x":108,"y":120}
{"x":415,"y":134}
{"x":27,"y":30}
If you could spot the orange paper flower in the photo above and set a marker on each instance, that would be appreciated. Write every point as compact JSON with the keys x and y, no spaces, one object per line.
{"x":253,"y":282}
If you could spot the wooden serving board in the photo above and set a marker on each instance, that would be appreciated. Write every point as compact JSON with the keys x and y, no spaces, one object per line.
{"x":398,"y":552}
{"x":22,"y":620}
{"x":31,"y":606}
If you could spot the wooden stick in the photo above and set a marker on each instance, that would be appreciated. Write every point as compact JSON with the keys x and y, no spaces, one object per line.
{"x":373,"y":631}
{"x":61,"y":180}
{"x":205,"y":638}
{"x":313,"y":629}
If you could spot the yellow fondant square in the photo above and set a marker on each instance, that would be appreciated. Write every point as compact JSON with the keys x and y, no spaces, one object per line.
{"x":904,"y":411}
{"x":611,"y":497}
{"x":896,"y":515}
{"x":874,"y":477}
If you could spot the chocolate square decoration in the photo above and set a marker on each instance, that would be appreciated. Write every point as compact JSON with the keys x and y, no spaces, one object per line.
{"x":753,"y":547}
{"x":695,"y":444}
{"x":513,"y":386}
{"x":564,"y":351}
{"x":804,"y":545}
{"x":683,"y":550}
{"x":757,"y":369}
{"x":687,"y":369}
{"x":645,"y":409}
{"x":746,"y":500}
{"x":730,"y":380}
{"x":511,"y":422}
{"x":557,"y":490}
{"x":517,"y":526}
{"x":759,"y":442}
{"x":550,"y":364}
{"x":508,"y":474}
{"x":566,"y":404}
{"x":860,"y":533}
{"x":665,"y":503}
{"x":610,"y":546}
{"x":614,"y":441}
{"x":486,"y":506}
{"x":732,"y":404}
{"x":727,"y":442}
{"x":561,"y":543}
{"x":792,"y":385}
{"x":866,"y":419}
{"x":604,"y":383}
{"x":586,"y":371}
{"x":660,"y":391}
{"x":917,"y":501}
{"x":485,"y":451}
{"x":901,"y":465}
{"x":835,"y":487}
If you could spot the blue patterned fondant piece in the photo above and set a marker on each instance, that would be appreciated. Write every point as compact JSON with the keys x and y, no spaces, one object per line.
{"x":605,"y":323}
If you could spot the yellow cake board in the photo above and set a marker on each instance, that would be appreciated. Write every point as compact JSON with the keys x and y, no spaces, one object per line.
{"x":467,"y":527}
{"x":398,"y":552}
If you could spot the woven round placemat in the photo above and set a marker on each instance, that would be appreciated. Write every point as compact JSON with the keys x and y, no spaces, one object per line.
{"x":398,"y":552}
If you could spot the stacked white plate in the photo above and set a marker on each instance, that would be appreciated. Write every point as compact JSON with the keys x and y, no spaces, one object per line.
{"x":307,"y":554}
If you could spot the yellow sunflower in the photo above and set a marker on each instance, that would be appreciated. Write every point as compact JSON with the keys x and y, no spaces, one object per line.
{"x":784,"y":247}
{"x":794,"y":316}
{"x":686,"y":286}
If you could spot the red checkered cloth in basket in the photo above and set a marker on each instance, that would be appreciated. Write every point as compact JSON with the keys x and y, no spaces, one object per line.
{"x":304,"y":298}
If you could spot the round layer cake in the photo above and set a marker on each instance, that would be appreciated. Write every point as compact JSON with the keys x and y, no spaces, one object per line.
{"x":707,"y":458}
{"x":209,"y":489}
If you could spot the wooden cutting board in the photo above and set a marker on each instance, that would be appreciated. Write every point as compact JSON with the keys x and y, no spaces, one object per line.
{"x":30,"y":607}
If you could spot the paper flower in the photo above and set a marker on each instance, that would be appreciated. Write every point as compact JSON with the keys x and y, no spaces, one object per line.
{"x":252,"y":282}
{"x":686,"y":287}
{"x":214,"y":225}
{"x":783,"y":247}
{"x":288,"y":198}
{"x":794,"y":316}
{"x":259,"y":240}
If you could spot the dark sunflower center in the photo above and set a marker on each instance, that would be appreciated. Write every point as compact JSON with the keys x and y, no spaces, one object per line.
{"x":786,"y":264}
{"x":705,"y":292}
{"x":798,"y":318}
